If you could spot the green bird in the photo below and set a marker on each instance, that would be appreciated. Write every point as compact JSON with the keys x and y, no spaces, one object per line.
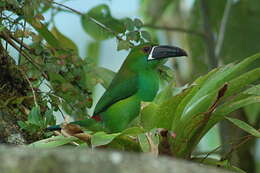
{"x":137,"y":80}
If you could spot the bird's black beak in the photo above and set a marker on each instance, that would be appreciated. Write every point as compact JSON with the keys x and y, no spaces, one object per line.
{"x":160,"y":52}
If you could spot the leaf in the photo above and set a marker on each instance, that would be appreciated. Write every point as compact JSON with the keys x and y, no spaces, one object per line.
{"x":101,"y":19}
{"x":123,"y":44}
{"x":44,"y":32}
{"x":138,"y":23}
{"x":133,"y":131}
{"x":49,"y":118}
{"x":64,"y":41}
{"x":244,"y":126}
{"x":129,"y":24}
{"x":102,"y":138}
{"x":53,"y":142}
{"x":144,"y":143}
{"x":255,"y":90}
{"x":34,"y":116}
{"x":93,"y":52}
{"x":146,"y":35}
{"x":105,"y":75}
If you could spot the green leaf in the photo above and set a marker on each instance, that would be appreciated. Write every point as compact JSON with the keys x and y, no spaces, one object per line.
{"x":93,"y":52}
{"x":255,"y":90}
{"x":246,"y":127}
{"x":101,"y":19}
{"x":64,"y":41}
{"x":104,"y":75}
{"x":102,"y":138}
{"x":34,"y":116}
{"x":45,"y":33}
{"x":123,"y":44}
{"x":49,"y":118}
{"x":129,"y":24}
{"x":144,"y":143}
{"x":133,"y":131}
{"x":146,"y":35}
{"x":53,"y":142}
{"x":138,"y":23}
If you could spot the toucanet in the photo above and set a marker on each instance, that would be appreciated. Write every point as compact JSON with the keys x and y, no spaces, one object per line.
{"x":137,"y":80}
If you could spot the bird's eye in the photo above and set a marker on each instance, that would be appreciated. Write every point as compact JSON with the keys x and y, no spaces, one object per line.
{"x":146,"y":49}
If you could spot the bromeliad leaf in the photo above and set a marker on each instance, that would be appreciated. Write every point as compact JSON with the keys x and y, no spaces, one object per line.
{"x":102,"y":138}
{"x":53,"y":142}
{"x":246,"y":127}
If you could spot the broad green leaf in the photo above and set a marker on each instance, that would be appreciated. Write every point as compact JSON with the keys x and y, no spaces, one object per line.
{"x":64,"y":41}
{"x":34,"y":116}
{"x":100,"y":15}
{"x":252,"y":112}
{"x":53,"y":142}
{"x":102,"y":138}
{"x":243,"y":125}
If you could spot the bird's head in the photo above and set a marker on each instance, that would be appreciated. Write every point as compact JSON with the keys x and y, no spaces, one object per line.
{"x":152,"y":55}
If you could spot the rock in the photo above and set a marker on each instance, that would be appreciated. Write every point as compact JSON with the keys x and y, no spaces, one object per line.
{"x":73,"y":160}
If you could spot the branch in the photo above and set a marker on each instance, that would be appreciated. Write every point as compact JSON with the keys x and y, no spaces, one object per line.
{"x":176,"y":29}
{"x":90,"y":18}
{"x":6,"y":37}
{"x":222,"y":28}
{"x":210,"y":42}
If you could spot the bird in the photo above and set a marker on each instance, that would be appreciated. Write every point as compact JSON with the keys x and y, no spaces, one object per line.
{"x":137,"y":80}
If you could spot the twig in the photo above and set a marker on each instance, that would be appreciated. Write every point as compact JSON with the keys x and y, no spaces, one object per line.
{"x":23,"y":53}
{"x":222,"y":28}
{"x":90,"y":18}
{"x":176,"y":29}
{"x":210,"y":42}
{"x":21,"y":45}
{"x":33,"y":92}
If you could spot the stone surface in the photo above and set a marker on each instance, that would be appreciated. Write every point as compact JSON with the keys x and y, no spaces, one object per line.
{"x":72,"y":160}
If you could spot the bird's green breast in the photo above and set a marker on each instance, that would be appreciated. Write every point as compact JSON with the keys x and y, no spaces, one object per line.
{"x":148,"y":84}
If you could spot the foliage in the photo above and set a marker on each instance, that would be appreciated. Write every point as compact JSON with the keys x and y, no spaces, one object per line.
{"x":178,"y":118}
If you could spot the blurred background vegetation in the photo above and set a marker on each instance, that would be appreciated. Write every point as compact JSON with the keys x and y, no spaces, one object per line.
{"x":214,"y":33}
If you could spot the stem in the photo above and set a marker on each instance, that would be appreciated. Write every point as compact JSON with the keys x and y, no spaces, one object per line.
{"x":176,"y":29}
{"x":210,"y":41}
{"x":223,"y":27}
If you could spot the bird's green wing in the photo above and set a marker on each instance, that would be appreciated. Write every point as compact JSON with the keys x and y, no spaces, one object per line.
{"x":125,"y":84}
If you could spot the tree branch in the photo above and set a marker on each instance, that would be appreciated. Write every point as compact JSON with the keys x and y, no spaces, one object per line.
{"x":210,"y":42}
{"x":222,"y":28}
{"x":176,"y":29}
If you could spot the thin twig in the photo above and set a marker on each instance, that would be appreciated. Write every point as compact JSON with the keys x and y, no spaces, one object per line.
{"x":33,"y":92}
{"x":90,"y":18}
{"x":23,"y":53}
{"x":176,"y":29}
{"x":210,"y":42}
{"x":21,"y":45}
{"x":223,"y":27}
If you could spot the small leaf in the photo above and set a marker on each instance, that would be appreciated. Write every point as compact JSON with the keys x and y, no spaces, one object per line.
{"x":102,"y":138}
{"x":146,"y":35}
{"x":138,"y":23}
{"x":64,"y":41}
{"x":34,"y":116}
{"x":123,"y":44}
{"x":129,"y":24}
{"x":246,"y":127}
{"x":49,"y":118}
